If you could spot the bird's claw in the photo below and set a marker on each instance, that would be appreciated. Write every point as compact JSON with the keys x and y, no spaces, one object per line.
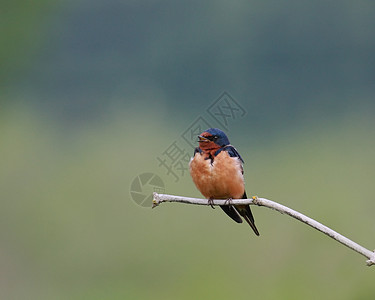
{"x":211,"y":202}
{"x":228,"y":201}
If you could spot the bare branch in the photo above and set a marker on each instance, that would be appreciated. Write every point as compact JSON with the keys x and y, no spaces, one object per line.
{"x":159,"y":198}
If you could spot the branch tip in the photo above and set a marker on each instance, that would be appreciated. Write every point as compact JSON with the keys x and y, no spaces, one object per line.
{"x":156,"y":200}
{"x":371,"y":261}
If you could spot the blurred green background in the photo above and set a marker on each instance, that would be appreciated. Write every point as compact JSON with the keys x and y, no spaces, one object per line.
{"x":93,"y":92}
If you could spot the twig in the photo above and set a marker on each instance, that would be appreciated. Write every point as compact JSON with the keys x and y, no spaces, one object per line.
{"x":159,"y":198}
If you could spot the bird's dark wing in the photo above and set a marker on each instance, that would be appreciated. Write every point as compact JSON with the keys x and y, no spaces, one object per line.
{"x":231,"y":151}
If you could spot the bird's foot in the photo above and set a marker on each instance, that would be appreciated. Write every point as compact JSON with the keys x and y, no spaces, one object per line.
{"x":228,"y":201}
{"x":211,"y":202}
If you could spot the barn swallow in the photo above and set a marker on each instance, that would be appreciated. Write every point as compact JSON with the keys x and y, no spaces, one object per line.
{"x":217,"y":171}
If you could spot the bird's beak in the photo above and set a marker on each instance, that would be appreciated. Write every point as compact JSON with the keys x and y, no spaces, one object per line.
{"x":202,"y":139}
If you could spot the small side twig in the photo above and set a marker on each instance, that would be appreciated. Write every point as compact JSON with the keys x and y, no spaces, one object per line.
{"x":370,"y":255}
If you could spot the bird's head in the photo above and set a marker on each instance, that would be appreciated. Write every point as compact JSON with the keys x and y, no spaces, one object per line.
{"x":212,"y":138}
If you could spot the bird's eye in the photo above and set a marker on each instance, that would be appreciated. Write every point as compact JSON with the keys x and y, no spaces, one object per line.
{"x":215,"y":137}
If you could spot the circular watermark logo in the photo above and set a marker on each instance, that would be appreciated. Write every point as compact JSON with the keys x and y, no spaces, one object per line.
{"x":143,"y":186}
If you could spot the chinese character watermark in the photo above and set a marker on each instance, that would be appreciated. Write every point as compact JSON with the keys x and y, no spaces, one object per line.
{"x":175,"y":160}
{"x":224,"y":109}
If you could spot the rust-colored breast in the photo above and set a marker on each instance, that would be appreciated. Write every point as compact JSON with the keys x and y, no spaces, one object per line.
{"x":220,"y":178}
